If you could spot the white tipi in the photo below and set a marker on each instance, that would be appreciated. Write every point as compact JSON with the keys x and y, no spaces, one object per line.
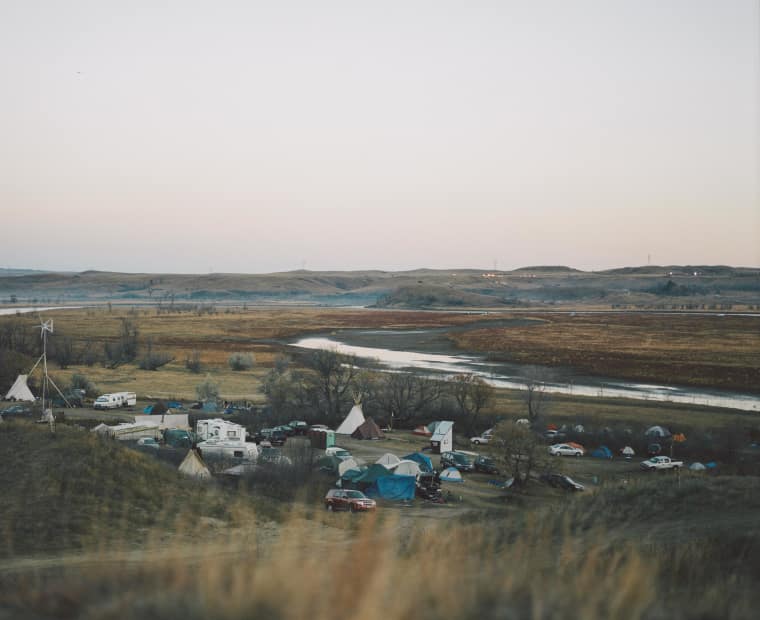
{"x":20,"y":390}
{"x":354,"y":419}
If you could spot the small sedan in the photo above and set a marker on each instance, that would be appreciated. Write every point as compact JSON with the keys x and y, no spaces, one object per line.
{"x":563,"y":449}
{"x":353,"y":501}
{"x":16,"y":410}
{"x":562,"y":482}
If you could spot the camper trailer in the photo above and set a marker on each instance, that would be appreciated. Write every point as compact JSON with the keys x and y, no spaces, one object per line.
{"x":220,"y":429}
{"x":228,"y":449}
{"x":115,"y":400}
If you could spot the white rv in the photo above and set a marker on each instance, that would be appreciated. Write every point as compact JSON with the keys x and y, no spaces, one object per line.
{"x":116,"y":400}
{"x":228,"y":449}
{"x":219,"y":429}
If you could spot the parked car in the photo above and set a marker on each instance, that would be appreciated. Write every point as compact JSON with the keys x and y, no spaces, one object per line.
{"x":486,"y":465}
{"x":287,"y":429}
{"x":300,"y":427}
{"x":148,"y":442}
{"x":483,"y":439}
{"x":341,"y":453}
{"x":562,"y":482}
{"x":660,"y":463}
{"x":354,"y":501}
{"x":17,"y":411}
{"x":563,"y":449}
{"x":457,"y":459}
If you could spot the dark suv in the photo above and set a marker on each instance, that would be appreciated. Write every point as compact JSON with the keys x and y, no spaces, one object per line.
{"x":486,"y":465}
{"x":461,"y":461}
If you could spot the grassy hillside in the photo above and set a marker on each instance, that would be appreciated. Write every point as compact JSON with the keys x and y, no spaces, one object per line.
{"x":634,"y":286}
{"x":74,"y":490}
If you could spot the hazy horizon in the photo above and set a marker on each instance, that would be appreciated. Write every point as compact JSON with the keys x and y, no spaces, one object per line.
{"x":233,"y":137}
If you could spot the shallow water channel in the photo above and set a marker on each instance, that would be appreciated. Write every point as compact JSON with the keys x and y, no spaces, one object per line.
{"x":429,"y":350}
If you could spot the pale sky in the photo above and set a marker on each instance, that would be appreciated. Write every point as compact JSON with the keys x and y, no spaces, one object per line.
{"x":187,"y":136}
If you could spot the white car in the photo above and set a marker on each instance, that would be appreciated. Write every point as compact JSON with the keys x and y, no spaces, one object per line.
{"x":482,"y":440}
{"x":341,"y":453}
{"x":563,"y":449}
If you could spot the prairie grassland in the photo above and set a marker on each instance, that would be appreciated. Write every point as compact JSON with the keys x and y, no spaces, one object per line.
{"x":92,"y":529}
{"x":714,"y":351}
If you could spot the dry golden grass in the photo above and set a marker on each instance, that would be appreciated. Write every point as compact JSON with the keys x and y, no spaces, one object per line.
{"x":696,"y":350}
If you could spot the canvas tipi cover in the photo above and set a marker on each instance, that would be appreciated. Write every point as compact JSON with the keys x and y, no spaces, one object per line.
{"x":194,"y":466}
{"x":20,"y":390}
{"x":368,"y":430}
{"x":354,"y":420}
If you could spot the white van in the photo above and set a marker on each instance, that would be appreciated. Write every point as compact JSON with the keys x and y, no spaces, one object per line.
{"x":115,"y":400}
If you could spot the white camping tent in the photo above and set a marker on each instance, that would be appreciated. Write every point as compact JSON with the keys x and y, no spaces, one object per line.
{"x":194,"y":466}
{"x":658,"y":432}
{"x":627,"y":452}
{"x":697,"y":467}
{"x":451,"y":475}
{"x":20,"y":390}
{"x":389,"y":460}
{"x":407,"y":468}
{"x":354,"y":420}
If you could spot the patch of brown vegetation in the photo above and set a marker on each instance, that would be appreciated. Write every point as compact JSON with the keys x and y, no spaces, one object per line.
{"x":710,"y":351}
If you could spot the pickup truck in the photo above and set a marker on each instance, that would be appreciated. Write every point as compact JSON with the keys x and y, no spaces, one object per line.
{"x":660,"y":463}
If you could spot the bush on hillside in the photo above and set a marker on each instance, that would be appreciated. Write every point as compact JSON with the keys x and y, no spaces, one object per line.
{"x":241,"y":361}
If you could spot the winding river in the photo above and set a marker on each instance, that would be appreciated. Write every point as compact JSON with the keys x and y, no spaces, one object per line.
{"x":513,"y":376}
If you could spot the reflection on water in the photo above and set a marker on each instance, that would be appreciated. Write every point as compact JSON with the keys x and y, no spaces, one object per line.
{"x":494,"y":373}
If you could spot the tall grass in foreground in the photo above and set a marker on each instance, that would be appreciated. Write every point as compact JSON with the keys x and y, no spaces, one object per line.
{"x":381,"y":571}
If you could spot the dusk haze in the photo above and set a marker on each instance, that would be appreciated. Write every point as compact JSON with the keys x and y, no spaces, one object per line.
{"x":191,"y":137}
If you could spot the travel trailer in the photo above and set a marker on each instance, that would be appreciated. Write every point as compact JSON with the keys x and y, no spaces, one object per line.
{"x":115,"y":400}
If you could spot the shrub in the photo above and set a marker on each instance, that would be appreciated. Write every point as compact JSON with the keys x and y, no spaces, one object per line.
{"x":208,"y":389}
{"x":241,"y":361}
{"x":193,"y":362}
{"x":82,"y":382}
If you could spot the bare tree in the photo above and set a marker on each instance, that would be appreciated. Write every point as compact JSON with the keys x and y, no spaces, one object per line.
{"x":331,"y":381}
{"x":522,"y":450}
{"x":406,"y":395}
{"x":536,"y":397}
{"x":471,"y":394}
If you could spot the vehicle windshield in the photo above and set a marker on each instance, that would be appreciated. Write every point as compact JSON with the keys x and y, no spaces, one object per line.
{"x":355,"y":494}
{"x":342,"y":453}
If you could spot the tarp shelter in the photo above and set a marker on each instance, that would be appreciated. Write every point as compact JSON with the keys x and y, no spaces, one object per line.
{"x":20,"y":390}
{"x":423,"y":461}
{"x":354,"y":420}
{"x":368,"y":430}
{"x":451,"y":475}
{"x":443,"y":437}
{"x":389,"y":460}
{"x":353,"y":475}
{"x":603,"y":452}
{"x":422,"y":431}
{"x":346,"y":465}
{"x":697,"y":467}
{"x":657,"y":432}
{"x":374,"y":472}
{"x":627,"y":452}
{"x":393,"y":487}
{"x":329,"y":464}
{"x":194,"y":466}
{"x":156,"y":408}
{"x":407,"y":468}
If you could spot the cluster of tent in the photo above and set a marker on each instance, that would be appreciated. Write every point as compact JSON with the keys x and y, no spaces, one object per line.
{"x":390,"y":477}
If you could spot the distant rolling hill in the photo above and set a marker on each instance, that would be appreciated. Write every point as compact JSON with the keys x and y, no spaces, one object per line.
{"x":649,"y":286}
